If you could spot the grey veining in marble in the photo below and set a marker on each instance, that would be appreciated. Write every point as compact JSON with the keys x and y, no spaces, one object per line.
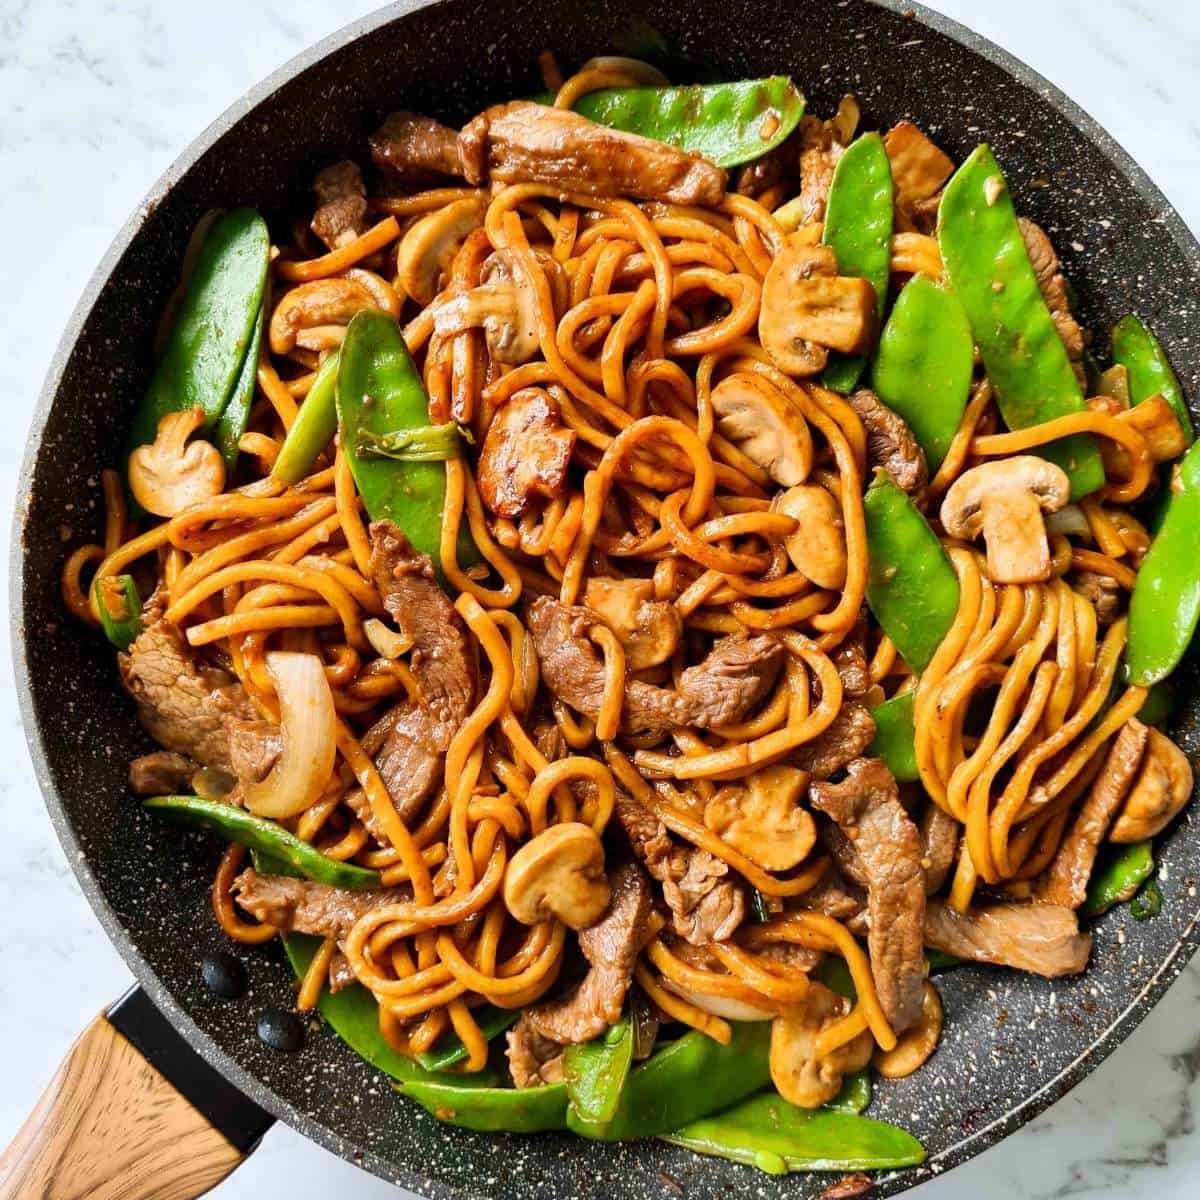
{"x":96,"y":100}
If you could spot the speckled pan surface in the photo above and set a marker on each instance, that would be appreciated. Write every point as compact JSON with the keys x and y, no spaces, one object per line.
{"x":1012,"y":1044}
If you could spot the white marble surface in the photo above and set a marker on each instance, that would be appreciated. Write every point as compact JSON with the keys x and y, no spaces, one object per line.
{"x":96,"y":99}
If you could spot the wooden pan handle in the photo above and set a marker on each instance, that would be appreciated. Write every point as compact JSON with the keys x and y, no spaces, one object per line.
{"x":110,"y":1126}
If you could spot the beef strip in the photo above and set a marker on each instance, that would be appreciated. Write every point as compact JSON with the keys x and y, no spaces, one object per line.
{"x":850,"y":658}
{"x":866,"y":807}
{"x":341,"y":973}
{"x":1053,"y":286}
{"x":706,"y":906}
{"x":1041,"y":938}
{"x":525,"y":453}
{"x":611,"y":947}
{"x":415,"y":150}
{"x":526,"y":142}
{"x":342,"y":204}
{"x":847,"y":736}
{"x":254,"y":747}
{"x":736,"y":675}
{"x":838,"y":898}
{"x":819,"y":153}
{"x":891,"y":445}
{"x":160,"y":773}
{"x":1065,"y":881}
{"x":532,"y":1059}
{"x":939,"y":844}
{"x":1103,"y":591}
{"x":184,"y":706}
{"x":919,"y":167}
{"x":301,"y":906}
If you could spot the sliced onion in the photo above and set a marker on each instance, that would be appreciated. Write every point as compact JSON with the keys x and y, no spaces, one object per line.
{"x":1069,"y":520}
{"x":719,"y":1006}
{"x":385,"y":641}
{"x":308,"y":724}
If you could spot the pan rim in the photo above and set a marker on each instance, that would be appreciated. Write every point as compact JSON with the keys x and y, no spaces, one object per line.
{"x":962,"y":1150}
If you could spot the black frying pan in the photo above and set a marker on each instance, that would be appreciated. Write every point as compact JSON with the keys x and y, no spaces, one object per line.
{"x":1012,"y":1044}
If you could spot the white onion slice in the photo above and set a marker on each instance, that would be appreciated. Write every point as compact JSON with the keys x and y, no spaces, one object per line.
{"x":719,"y":1006}
{"x":1069,"y":520}
{"x":308,"y":724}
{"x":385,"y":641}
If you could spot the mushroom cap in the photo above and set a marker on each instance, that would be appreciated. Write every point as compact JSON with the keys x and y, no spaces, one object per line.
{"x":1162,"y":787}
{"x":316,"y":303}
{"x":962,"y":506}
{"x":764,"y":426}
{"x":559,"y":873}
{"x":918,"y":1043}
{"x":817,"y":547}
{"x":764,"y":819}
{"x":511,"y":330}
{"x":649,"y":629}
{"x":170,"y":474}
{"x":429,"y":245}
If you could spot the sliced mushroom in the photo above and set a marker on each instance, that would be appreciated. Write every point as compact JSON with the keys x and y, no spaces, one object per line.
{"x":526,"y":452}
{"x":809,"y":309}
{"x":315,"y":305}
{"x":817,"y":548}
{"x":504,"y":306}
{"x":1153,"y":418}
{"x":428,"y":248}
{"x":559,"y":873}
{"x":917,"y":1044}
{"x":1163,"y":786}
{"x":764,"y":426}
{"x":649,"y":629}
{"x":798,"y":1075}
{"x":169,"y":475}
{"x":764,"y":819}
{"x":1005,"y":499}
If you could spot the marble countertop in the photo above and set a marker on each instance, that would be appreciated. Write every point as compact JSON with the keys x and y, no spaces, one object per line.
{"x":97,"y":99}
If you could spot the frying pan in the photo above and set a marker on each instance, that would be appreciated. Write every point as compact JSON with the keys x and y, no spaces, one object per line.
{"x":1012,"y":1044}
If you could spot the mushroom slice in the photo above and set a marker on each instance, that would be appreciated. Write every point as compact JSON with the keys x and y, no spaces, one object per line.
{"x":798,"y":1075}
{"x":1156,"y":421}
{"x":428,"y":248}
{"x":526,"y":452}
{"x":817,"y":548}
{"x":917,"y":1044}
{"x":649,"y":629}
{"x":808,"y":309}
{"x":321,"y":302}
{"x":1163,"y":786}
{"x":504,"y":306}
{"x":1005,"y":499}
{"x":764,"y":819}
{"x":764,"y":426}
{"x":169,"y":474}
{"x":559,"y":873}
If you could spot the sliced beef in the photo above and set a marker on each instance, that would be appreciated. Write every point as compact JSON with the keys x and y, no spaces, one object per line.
{"x":866,"y":808}
{"x":819,"y":153}
{"x":532,"y":1059}
{"x":1103,"y":591}
{"x":891,"y":445}
{"x":523,"y":142}
{"x":736,"y":675}
{"x":850,"y":658}
{"x":161,"y":773}
{"x":415,"y":150}
{"x":846,"y":737}
{"x":1041,"y":938}
{"x":341,"y":973}
{"x":526,"y":453}
{"x":836,"y":897}
{"x":706,"y":905}
{"x":1065,"y":881}
{"x":254,"y":748}
{"x":301,"y":906}
{"x":611,"y":947}
{"x":1053,"y":286}
{"x":939,"y":845}
{"x":919,"y":168}
{"x":183,"y":705}
{"x":342,"y":204}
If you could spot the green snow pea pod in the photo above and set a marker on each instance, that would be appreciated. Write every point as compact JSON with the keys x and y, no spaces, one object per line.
{"x":314,"y":426}
{"x":232,"y":423}
{"x":216,"y":323}
{"x":939,"y":961}
{"x":491,"y":1109}
{"x":855,"y":1095}
{"x":1117,"y":877}
{"x":450,"y":1049}
{"x":1165,"y":604}
{"x":988,"y":266}
{"x":924,"y":364}
{"x":380,"y":393}
{"x":1160,"y":704}
{"x":687,"y":1080}
{"x":729,"y":123}
{"x":1148,"y":902}
{"x":120,"y":608}
{"x":858,"y":229}
{"x":1150,"y":371}
{"x":256,"y":833}
{"x":835,"y":975}
{"x":595,"y":1072}
{"x":894,"y":737}
{"x":768,"y":1133}
{"x":911,"y":586}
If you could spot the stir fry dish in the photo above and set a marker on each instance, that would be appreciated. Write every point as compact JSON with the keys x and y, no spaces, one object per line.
{"x":643,"y":584}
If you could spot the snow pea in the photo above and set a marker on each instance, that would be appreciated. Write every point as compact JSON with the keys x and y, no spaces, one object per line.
{"x":1150,"y":373}
{"x":314,"y":426}
{"x":776,"y":1137}
{"x":450,"y":1049}
{"x":1160,"y":704}
{"x":858,"y":228}
{"x":595,"y":1072}
{"x":894,"y":737}
{"x":911,"y":587}
{"x":729,"y":123}
{"x":988,"y":266}
{"x":491,"y":1109}
{"x":1117,"y":877}
{"x":1147,"y":903}
{"x":380,"y":392}
{"x":855,"y":1095}
{"x":687,"y":1080}
{"x":924,"y":363}
{"x":120,"y":608}
{"x":215,"y":325}
{"x":1165,"y":605}
{"x":232,"y":422}
{"x":267,"y":837}
{"x":938,"y":961}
